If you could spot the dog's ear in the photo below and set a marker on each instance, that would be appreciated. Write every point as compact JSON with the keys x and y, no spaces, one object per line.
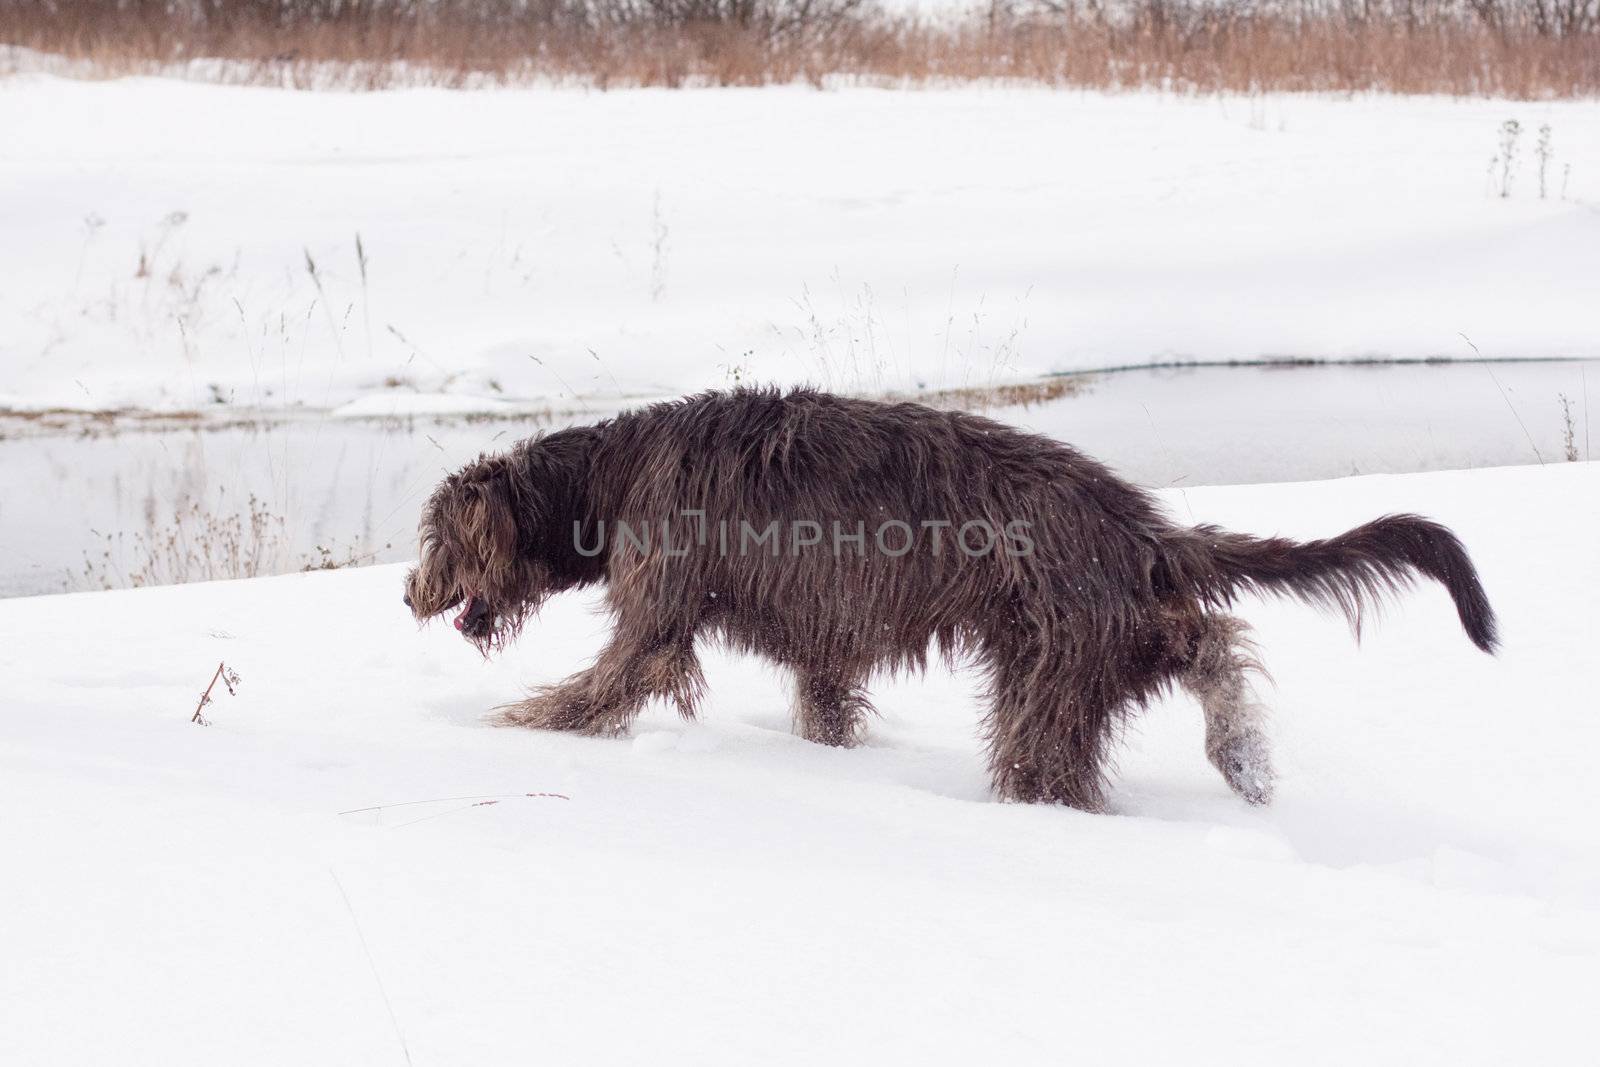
{"x":490,"y":517}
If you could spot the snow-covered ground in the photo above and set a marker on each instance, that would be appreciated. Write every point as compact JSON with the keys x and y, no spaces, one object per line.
{"x":1425,"y":889}
{"x":177,"y":245}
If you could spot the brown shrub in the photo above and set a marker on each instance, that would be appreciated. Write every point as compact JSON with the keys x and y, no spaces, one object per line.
{"x":1515,"y":48}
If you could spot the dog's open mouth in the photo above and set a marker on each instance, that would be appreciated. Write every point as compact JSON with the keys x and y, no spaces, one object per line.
{"x":475,"y":620}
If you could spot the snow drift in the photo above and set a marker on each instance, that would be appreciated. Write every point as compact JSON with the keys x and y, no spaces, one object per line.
{"x":1425,"y":886}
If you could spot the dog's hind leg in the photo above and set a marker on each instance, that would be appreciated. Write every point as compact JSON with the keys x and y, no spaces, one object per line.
{"x":605,"y":699}
{"x":1216,"y":675}
{"x":830,"y":710}
{"x":1049,"y":726}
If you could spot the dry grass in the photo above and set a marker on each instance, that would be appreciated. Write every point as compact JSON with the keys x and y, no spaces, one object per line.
{"x":1569,"y":431}
{"x":110,"y":422}
{"x":200,"y":545}
{"x":981,"y":398}
{"x":230,"y":682}
{"x":1513,"y":48}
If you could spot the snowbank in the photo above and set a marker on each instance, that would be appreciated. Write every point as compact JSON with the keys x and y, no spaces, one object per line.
{"x":1425,"y":888}
{"x":540,"y":245}
{"x":423,"y":405}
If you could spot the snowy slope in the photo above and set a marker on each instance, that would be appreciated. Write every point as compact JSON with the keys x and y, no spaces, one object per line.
{"x":531,"y":244}
{"x":1426,"y":889}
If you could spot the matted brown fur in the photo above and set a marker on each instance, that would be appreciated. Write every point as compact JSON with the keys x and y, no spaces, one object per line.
{"x":1114,"y":602}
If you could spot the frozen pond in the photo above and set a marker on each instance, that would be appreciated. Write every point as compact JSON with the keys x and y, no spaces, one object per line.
{"x":85,"y":510}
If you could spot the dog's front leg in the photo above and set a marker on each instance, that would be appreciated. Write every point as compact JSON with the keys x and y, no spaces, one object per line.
{"x":604,"y":699}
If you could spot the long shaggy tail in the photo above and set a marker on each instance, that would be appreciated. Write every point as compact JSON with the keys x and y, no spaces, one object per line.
{"x":1348,"y":573}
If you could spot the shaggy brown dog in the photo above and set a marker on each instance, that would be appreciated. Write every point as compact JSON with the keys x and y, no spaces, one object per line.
{"x":843,"y":537}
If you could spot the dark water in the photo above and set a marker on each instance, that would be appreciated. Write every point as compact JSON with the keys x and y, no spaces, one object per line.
{"x":82,"y":511}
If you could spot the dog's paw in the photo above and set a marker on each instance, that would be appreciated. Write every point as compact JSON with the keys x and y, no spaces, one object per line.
{"x":543,"y":711}
{"x":1246,"y":765}
{"x":602,"y":723}
{"x":556,"y":710}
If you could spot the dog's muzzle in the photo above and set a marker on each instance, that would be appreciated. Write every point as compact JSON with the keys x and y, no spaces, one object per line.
{"x":475,"y":620}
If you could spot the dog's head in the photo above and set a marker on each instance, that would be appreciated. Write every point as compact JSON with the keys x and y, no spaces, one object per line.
{"x":480,"y":553}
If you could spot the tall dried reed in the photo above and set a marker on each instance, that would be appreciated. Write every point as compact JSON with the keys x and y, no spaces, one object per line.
{"x":1513,"y":48}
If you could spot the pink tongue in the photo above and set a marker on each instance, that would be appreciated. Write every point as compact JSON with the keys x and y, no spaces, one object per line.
{"x":465,"y":609}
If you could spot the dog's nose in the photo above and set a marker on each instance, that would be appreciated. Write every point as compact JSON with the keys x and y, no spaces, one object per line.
{"x":407,"y":599}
